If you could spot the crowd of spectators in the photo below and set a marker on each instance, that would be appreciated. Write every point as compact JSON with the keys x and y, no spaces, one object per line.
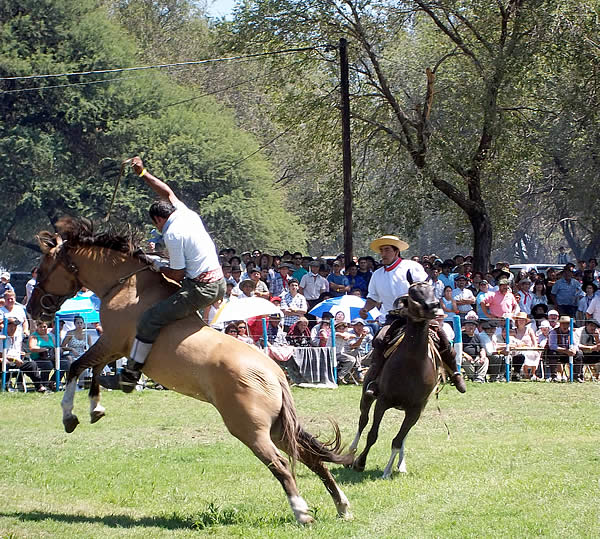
{"x":539,"y":307}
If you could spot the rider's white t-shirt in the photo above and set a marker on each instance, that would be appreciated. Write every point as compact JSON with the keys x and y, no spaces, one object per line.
{"x":189,"y":244}
{"x":386,"y":286}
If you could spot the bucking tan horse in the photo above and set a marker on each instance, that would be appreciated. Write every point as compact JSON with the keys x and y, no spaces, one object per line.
{"x":248,"y":389}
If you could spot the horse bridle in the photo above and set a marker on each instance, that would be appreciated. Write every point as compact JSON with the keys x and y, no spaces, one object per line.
{"x":51,"y":303}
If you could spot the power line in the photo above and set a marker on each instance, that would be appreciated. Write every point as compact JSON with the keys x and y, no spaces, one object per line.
{"x":160,"y":66}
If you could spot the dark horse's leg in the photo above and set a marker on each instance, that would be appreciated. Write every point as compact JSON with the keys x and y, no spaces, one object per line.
{"x":380,"y":407}
{"x":366,"y":401}
{"x":411,"y":416}
{"x":97,"y":411}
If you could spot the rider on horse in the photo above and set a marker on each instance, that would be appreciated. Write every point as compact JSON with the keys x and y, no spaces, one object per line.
{"x":387,"y":284}
{"x":193,"y":261}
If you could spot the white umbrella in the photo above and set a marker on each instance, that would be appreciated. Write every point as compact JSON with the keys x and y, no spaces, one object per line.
{"x":348,"y":304}
{"x":244,"y":308}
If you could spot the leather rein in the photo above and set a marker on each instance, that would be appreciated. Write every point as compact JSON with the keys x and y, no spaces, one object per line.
{"x":51,"y":303}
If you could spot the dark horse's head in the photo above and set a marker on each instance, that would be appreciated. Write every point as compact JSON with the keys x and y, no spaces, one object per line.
{"x":419,"y":304}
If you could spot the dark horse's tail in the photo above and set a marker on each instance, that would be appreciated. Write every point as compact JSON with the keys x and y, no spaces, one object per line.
{"x":299,"y":441}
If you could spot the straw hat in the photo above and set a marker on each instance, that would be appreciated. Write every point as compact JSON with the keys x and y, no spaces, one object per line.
{"x":388,"y":240}
{"x":521,"y":314}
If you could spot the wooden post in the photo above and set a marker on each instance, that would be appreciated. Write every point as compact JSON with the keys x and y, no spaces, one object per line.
{"x":346,"y":153}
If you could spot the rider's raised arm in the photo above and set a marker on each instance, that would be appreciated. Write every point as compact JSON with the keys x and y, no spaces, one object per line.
{"x":158,"y":186}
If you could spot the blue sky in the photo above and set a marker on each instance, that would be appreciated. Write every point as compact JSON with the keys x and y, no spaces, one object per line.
{"x":220,"y":8}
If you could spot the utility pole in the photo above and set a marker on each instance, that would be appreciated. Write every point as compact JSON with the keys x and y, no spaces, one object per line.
{"x":346,"y":154}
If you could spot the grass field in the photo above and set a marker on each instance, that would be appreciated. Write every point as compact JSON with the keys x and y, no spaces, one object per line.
{"x":523,"y":460}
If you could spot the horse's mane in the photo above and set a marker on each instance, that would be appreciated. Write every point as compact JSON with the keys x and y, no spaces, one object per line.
{"x":81,"y":232}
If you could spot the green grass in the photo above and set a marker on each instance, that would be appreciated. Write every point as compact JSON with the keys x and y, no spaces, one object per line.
{"x":523,"y":460}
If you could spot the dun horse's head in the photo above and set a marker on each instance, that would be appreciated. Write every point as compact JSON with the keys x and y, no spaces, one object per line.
{"x":420,"y":303}
{"x":57,"y":278}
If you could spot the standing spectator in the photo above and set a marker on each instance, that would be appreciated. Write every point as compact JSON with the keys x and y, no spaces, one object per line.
{"x":567,"y":292}
{"x":313,"y":285}
{"x":293,"y":305}
{"x":526,"y":301}
{"x":236,"y":274}
{"x":363,"y":275}
{"x":359,"y":346}
{"x":227,"y":273}
{"x":483,"y":294}
{"x":585,"y":302}
{"x":12,"y":309}
{"x":5,"y":283}
{"x":260,"y":288}
{"x":489,"y":342}
{"x":501,"y":303}
{"x":463,"y":297}
{"x":589,"y":342}
{"x":448,"y":303}
{"x":593,"y":310}
{"x":539,"y":294}
{"x":446,"y":277}
{"x":436,"y":283}
{"x":301,"y":262}
{"x":353,"y":282}
{"x":562,"y":256}
{"x":440,"y":323}
{"x":30,"y":285}
{"x":550,"y":281}
{"x":280,"y":281}
{"x":338,"y":283}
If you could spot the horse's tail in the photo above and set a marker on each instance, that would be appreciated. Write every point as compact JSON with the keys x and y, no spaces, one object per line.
{"x":297,"y":439}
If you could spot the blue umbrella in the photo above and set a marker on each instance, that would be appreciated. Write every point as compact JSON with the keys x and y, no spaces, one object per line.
{"x":349,"y":304}
{"x":79,"y":305}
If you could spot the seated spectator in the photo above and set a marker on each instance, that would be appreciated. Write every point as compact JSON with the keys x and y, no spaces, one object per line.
{"x":359,"y":346}
{"x":320,"y":334}
{"x":275,"y":333}
{"x":78,"y":340}
{"x":356,"y":292}
{"x":463,"y":297}
{"x":539,"y":313}
{"x":345,"y":362}
{"x":589,"y":342}
{"x":243,"y":335}
{"x":16,"y":358}
{"x":299,"y":334}
{"x":41,"y":348}
{"x":528,"y":360}
{"x":560,"y":349}
{"x":474,"y":362}
{"x":448,"y":304}
{"x":489,"y":341}
{"x":293,"y":305}
{"x":232,"y":330}
{"x":553,"y":317}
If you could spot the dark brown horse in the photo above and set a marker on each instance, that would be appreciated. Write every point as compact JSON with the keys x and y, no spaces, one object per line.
{"x":407,"y":378}
{"x":248,"y":389}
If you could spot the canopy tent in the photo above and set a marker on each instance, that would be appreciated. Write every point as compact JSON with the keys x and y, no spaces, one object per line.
{"x":81,"y":306}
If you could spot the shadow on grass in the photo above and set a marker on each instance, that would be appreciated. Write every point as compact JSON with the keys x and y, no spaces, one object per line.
{"x":349,"y":476}
{"x":211,"y":517}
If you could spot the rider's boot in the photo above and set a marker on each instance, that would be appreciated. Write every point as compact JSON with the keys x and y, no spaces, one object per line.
{"x":448,"y":356}
{"x":377,"y":360}
{"x":130,"y":374}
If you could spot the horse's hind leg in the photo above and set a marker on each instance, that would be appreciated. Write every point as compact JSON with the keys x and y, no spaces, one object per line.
{"x":365,"y":405}
{"x":339,"y":498}
{"x":97,"y":411}
{"x":70,"y":420}
{"x":410,"y":418}
{"x":264,"y":448}
{"x":361,"y":461}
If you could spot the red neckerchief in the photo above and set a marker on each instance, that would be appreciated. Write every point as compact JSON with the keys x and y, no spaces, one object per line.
{"x":393,"y":265}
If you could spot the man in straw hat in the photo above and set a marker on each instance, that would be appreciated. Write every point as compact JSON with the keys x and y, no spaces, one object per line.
{"x":388,"y":283}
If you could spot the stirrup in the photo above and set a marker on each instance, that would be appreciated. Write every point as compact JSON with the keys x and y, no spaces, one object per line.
{"x":371,"y":390}
{"x":130,"y":376}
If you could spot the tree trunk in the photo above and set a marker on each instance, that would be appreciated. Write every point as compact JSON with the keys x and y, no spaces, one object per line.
{"x":482,"y":239}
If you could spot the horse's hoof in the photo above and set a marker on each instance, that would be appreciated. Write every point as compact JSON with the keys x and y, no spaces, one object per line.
{"x":306,"y":520}
{"x":96,"y":416}
{"x":358,"y":466}
{"x":386,"y":476}
{"x":70,"y":423}
{"x":346,"y":515}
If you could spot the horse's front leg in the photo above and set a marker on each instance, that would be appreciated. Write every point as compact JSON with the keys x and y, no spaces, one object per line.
{"x":96,"y":357}
{"x":97,"y":411}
